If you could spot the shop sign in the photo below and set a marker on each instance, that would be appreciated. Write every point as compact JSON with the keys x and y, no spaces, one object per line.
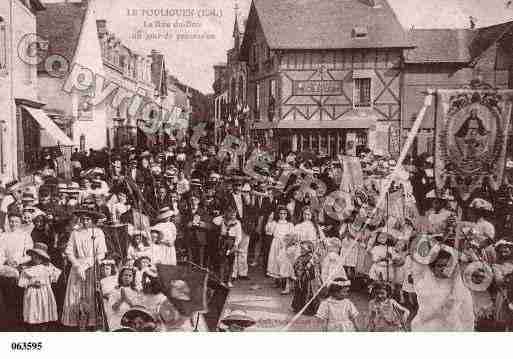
{"x":316,"y":88}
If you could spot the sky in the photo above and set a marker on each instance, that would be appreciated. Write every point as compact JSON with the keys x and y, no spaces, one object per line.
{"x":192,"y":60}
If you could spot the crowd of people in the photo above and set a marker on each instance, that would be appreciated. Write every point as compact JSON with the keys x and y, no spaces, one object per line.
{"x":123,"y":212}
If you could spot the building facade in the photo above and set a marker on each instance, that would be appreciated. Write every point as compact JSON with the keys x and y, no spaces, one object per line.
{"x":70,"y":30}
{"x":132,"y":71}
{"x":452,"y":58}
{"x":327,"y":86}
{"x":25,"y":127}
{"x":344,"y":74}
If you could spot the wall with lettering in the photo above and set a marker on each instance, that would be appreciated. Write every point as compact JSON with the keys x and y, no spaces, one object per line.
{"x":318,"y":85}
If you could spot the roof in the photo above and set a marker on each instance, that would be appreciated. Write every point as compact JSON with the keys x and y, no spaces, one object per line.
{"x":440,"y":45}
{"x":487,"y":36}
{"x":321,"y":24}
{"x":61,"y":24}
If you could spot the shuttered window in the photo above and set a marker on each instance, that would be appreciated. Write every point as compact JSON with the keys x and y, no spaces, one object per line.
{"x":362,"y":92}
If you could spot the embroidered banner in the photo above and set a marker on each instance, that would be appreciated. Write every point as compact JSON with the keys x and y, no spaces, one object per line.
{"x":471,"y":137}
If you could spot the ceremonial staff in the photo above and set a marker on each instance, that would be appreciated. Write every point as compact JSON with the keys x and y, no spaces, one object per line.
{"x":101,"y":319}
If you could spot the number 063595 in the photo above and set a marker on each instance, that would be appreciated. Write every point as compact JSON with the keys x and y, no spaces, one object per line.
{"x":26,"y":346}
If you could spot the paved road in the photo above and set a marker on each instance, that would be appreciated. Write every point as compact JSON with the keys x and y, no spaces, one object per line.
{"x":271,"y":310}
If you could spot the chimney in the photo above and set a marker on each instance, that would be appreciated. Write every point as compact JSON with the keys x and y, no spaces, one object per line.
{"x":101,"y":27}
{"x":371,"y":3}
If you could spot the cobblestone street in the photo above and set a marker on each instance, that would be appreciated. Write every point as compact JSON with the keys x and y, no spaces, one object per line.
{"x":271,"y":310}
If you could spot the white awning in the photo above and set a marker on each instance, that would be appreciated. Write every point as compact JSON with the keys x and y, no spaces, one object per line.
{"x":49,"y":126}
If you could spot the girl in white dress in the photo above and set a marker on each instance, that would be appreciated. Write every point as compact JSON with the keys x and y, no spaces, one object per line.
{"x":39,"y":306}
{"x":332,"y":264}
{"x":124,"y":297}
{"x":349,"y":250}
{"x":164,"y":250}
{"x":308,"y":230}
{"x":338,"y":312}
{"x":383,"y":255}
{"x":278,"y":265}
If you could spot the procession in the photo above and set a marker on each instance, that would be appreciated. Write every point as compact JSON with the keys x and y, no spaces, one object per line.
{"x":355,"y":177}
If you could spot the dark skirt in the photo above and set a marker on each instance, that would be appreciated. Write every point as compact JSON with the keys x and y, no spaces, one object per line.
{"x":303,"y":292}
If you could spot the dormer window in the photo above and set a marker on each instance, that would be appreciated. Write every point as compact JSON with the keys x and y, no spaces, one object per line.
{"x":3,"y":45}
{"x":360,"y":32}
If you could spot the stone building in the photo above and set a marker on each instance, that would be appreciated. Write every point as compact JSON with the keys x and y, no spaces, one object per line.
{"x":25,"y":127}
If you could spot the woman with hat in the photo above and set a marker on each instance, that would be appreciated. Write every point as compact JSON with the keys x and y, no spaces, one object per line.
{"x":39,"y":306}
{"x":445,"y":302}
{"x":86,"y":246}
{"x":165,"y":250}
{"x":14,"y":246}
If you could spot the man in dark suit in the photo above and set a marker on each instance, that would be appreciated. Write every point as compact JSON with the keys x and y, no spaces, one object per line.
{"x":163,"y":197}
{"x":264,"y":206}
{"x":197,"y":224}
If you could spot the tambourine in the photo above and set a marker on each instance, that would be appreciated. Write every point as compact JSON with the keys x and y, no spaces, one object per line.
{"x":338,"y":205}
{"x":478,"y":276}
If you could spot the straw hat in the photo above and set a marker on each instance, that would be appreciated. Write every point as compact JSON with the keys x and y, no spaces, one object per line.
{"x":503,"y":243}
{"x":165,"y":213}
{"x":88,"y":213}
{"x":145,"y":154}
{"x":334,"y":242}
{"x":479,"y":203}
{"x":134,"y":312}
{"x":240,"y":318}
{"x":40,"y":249}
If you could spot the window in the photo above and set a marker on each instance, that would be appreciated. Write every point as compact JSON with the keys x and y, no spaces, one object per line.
{"x":257,"y":101}
{"x":255,"y":54}
{"x":3,"y":45}
{"x":360,"y":32}
{"x":362,"y":92}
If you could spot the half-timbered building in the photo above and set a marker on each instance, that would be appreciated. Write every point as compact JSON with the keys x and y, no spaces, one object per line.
{"x":324,"y":76}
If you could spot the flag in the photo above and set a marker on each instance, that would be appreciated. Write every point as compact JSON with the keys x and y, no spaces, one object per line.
{"x":471,"y":137}
{"x":185,"y":287}
{"x":217,"y":294}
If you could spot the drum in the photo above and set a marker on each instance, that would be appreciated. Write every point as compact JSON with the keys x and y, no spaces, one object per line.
{"x":139,"y":319}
